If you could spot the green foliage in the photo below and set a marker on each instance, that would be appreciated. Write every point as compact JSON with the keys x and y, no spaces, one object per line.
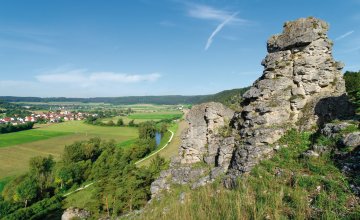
{"x":3,"y":183}
{"x":120,"y":122}
{"x":352,"y":83}
{"x":132,"y":123}
{"x":37,"y":210}
{"x":163,"y":128}
{"x":350,"y":129}
{"x":156,"y":165}
{"x":110,"y":123}
{"x":119,"y":186}
{"x":8,"y":128}
{"x":84,"y":150}
{"x":147,"y":130}
{"x":26,"y":191}
{"x":41,"y":168}
{"x":224,"y":96}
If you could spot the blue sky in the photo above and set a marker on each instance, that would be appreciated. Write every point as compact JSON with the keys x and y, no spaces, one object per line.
{"x":88,"y":48}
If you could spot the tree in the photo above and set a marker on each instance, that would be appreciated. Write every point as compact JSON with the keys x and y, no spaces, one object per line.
{"x":352,"y":83}
{"x":26,"y":191}
{"x":163,"y":128}
{"x":156,"y":165}
{"x":41,"y":168}
{"x":110,"y":123}
{"x":132,"y":123}
{"x":147,"y":130}
{"x":120,"y":122}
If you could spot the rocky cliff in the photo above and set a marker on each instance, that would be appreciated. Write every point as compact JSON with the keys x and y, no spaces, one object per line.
{"x":206,"y":148}
{"x":301,"y":87}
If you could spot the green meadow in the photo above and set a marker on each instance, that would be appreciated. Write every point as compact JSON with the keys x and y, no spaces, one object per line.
{"x":28,"y":136}
{"x":157,"y":115}
{"x":146,"y":116}
{"x":17,"y":148}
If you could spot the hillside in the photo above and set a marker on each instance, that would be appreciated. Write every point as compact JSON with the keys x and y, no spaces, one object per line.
{"x":223,"y":97}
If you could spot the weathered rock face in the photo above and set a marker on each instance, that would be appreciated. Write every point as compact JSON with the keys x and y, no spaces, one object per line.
{"x":301,"y":87}
{"x":202,"y":142}
{"x":207,"y":141}
{"x":75,"y":213}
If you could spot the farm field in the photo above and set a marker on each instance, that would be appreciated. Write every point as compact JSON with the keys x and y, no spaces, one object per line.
{"x":140,"y":117}
{"x":28,"y":136}
{"x":17,"y":148}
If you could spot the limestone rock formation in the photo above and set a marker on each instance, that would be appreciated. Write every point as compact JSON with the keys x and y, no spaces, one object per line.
{"x":208,"y":142}
{"x":203,"y":141}
{"x":75,"y":213}
{"x":301,"y":87}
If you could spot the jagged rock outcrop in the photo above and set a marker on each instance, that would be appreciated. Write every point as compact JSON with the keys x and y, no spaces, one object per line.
{"x":206,"y":148}
{"x":206,"y":139}
{"x":301,"y":87}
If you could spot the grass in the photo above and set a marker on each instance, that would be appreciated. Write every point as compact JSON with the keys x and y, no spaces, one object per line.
{"x":158,"y":115}
{"x":127,"y":144}
{"x":126,"y":120}
{"x":19,"y":147}
{"x":288,"y":186}
{"x":21,"y":137}
{"x":4,"y":181}
{"x":82,"y":199}
{"x":154,"y":115}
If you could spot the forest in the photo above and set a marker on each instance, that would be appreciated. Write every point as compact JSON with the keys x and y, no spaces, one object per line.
{"x":224,"y":97}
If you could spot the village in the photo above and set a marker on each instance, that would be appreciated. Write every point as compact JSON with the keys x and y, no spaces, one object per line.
{"x":47,"y":117}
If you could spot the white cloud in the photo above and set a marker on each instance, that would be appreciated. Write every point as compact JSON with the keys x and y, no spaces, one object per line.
{"x":86,"y":78}
{"x":345,"y":35}
{"x":206,"y":12}
{"x":218,"y":29}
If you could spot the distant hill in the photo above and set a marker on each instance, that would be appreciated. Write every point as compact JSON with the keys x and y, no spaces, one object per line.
{"x":225,"y":97}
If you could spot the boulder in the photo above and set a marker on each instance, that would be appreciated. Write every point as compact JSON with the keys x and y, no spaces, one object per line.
{"x":75,"y":213}
{"x":351,"y":140}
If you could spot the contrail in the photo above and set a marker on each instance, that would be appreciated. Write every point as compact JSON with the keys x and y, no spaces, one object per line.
{"x":218,"y":28}
{"x":345,"y":35}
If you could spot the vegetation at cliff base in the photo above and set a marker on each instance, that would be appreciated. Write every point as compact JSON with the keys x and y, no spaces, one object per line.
{"x":352,"y":82}
{"x":288,"y":186}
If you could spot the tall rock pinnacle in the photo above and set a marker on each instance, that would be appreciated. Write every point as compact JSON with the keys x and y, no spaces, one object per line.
{"x":301,"y":87}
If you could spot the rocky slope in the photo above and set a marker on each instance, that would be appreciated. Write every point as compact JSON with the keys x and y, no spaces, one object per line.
{"x":301,"y":87}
